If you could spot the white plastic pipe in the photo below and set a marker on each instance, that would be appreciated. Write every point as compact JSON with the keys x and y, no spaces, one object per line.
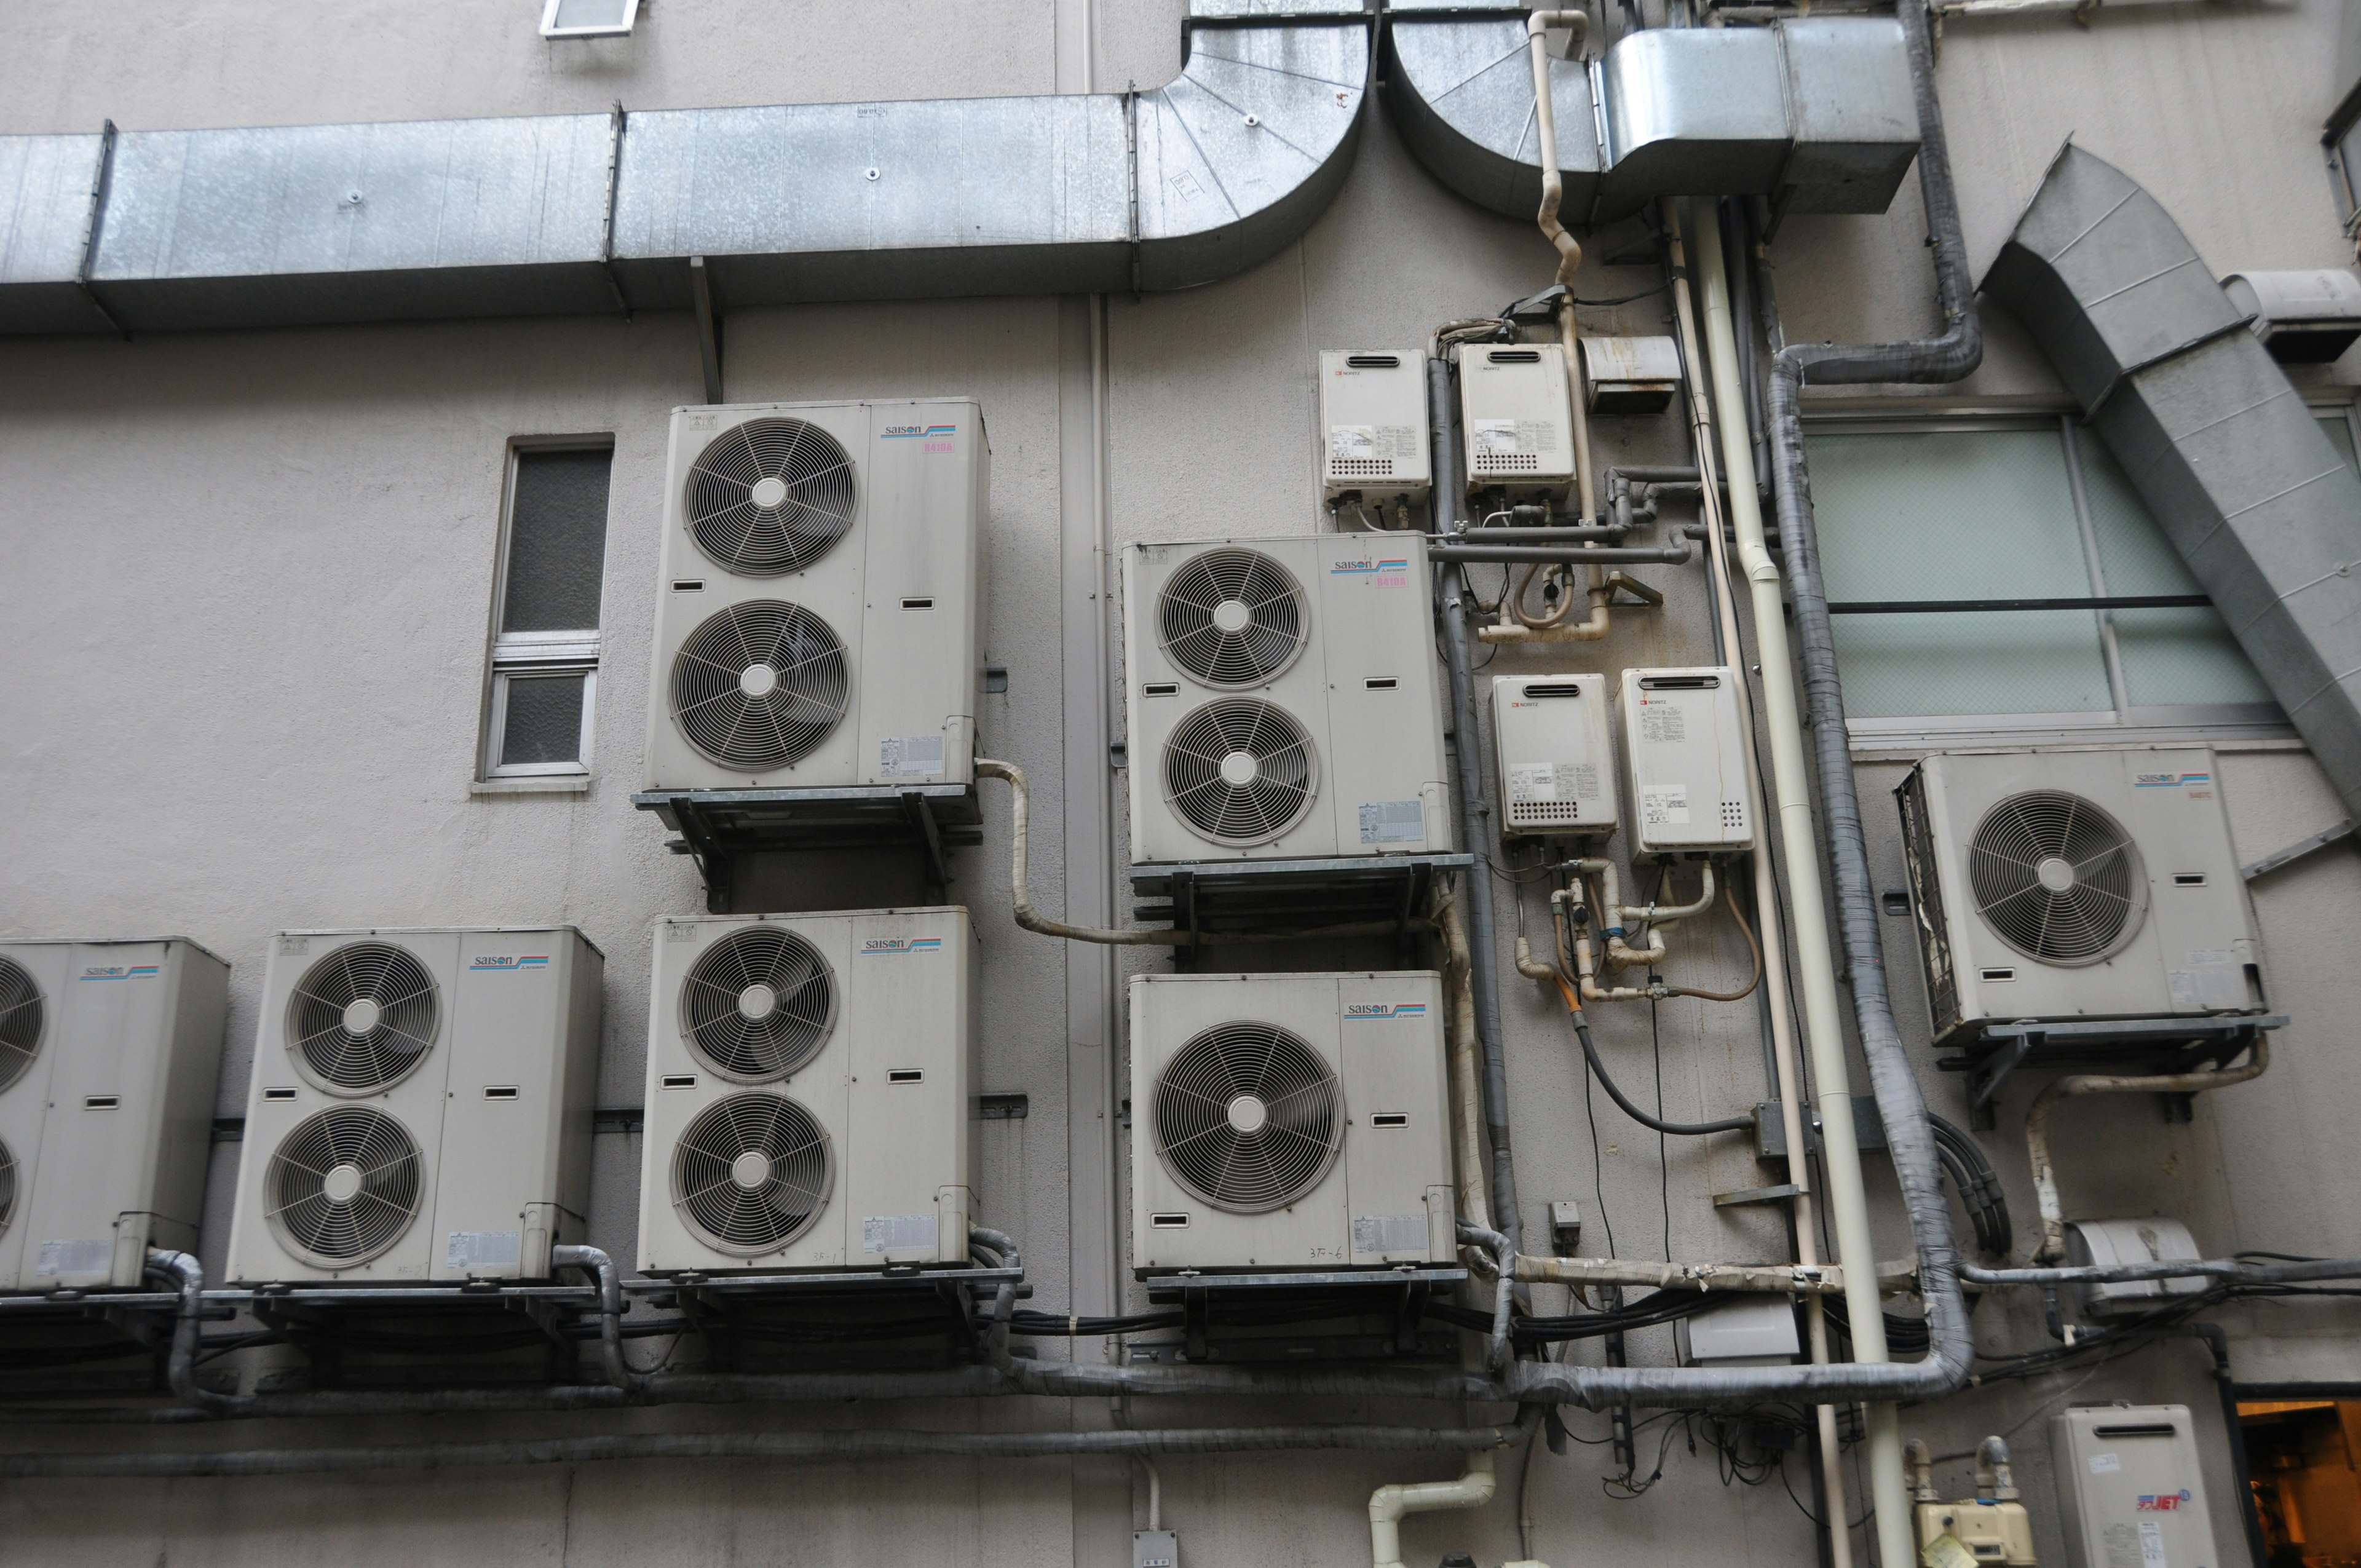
{"x":1815,"y":953}
{"x":1569,"y":253}
{"x":1389,"y":1504}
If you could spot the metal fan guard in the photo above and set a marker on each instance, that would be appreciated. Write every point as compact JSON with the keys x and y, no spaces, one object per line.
{"x":1253,"y":655}
{"x":737,"y":1047}
{"x":814,"y":507}
{"x":2007,"y":906}
{"x":336,"y":1135}
{"x":23,"y":1016}
{"x":788,"y":723}
{"x":329,"y":1055}
{"x":7,"y":1186}
{"x":1257,"y":813}
{"x":1200,"y":1149}
{"x":702,"y":1194}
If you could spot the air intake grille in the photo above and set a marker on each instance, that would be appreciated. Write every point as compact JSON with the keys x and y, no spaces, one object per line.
{"x":1232,"y":617}
{"x":1239,"y":771}
{"x":752,"y":1173}
{"x":1248,"y":1118}
{"x":21,"y":1015}
{"x":343,"y":1186}
{"x":2056,"y":877}
{"x":758,"y":1004}
{"x":770,"y":497}
{"x":759,"y":686}
{"x":1507,"y":462}
{"x":363,"y":1017}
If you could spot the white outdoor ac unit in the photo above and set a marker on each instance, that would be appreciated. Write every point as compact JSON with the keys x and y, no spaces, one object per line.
{"x":1283,"y":699}
{"x":2076,"y":884}
{"x":817,"y":617}
{"x":421,"y":1104}
{"x":1289,"y":1122}
{"x":108,"y":1053}
{"x":808,"y":1086}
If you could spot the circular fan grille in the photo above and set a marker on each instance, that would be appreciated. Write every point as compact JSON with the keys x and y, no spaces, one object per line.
{"x":758,"y":1004}
{"x":1239,"y":771}
{"x":759,"y":686}
{"x":1232,"y":617}
{"x":343,"y":1186}
{"x":1247,"y":1117}
{"x":2057,"y":877}
{"x":770,"y":497}
{"x":363,"y":1017}
{"x":7,"y":1186}
{"x":21,"y":1015}
{"x":752,"y":1173}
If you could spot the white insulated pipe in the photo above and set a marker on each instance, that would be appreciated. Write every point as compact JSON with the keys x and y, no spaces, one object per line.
{"x":1389,"y":1504}
{"x":1569,"y":253}
{"x":1815,"y":956}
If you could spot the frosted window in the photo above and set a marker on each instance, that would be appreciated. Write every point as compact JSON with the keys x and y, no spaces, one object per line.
{"x":544,"y":719}
{"x":557,"y":542}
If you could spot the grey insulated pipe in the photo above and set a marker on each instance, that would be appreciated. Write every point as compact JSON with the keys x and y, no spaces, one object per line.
{"x":1483,"y":979}
{"x":1951,"y":354}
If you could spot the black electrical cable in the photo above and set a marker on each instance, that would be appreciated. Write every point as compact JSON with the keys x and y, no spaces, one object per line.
{"x":1664,"y":1151}
{"x":1978,"y":1186}
{"x":1623,"y":1101}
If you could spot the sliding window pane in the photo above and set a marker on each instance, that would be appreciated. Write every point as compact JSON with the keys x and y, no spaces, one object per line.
{"x":1953,"y":515}
{"x":2173,"y":658}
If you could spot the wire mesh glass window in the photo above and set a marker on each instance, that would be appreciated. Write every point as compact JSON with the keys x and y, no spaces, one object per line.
{"x":545,"y":639}
{"x":2012,"y":510}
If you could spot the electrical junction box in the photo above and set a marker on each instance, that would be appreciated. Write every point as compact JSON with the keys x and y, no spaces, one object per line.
{"x":1373,"y":419}
{"x":1992,"y":1532}
{"x":2130,"y":1487}
{"x":2303,"y":318}
{"x":1754,"y":1331}
{"x":2153,"y":1240}
{"x":1683,"y":733}
{"x":1630,"y":375}
{"x":1289,"y":1122}
{"x":1516,"y":419}
{"x":1155,"y":1549}
{"x":1556,"y":761}
{"x":109,"y":1051}
{"x":2076,"y":884}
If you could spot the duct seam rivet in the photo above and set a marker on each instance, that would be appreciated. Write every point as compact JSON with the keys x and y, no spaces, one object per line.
{"x":869,"y":174}
{"x":1253,"y":120}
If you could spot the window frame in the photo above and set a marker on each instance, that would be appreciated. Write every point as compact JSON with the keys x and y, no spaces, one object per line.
{"x":512,"y":655}
{"x":2154,"y":724}
{"x":550,"y":29}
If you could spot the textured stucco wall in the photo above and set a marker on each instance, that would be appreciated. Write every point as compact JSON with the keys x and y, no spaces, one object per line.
{"x":243,"y":617}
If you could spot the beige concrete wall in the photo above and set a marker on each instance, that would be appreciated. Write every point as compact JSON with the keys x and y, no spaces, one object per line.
{"x":243,"y":615}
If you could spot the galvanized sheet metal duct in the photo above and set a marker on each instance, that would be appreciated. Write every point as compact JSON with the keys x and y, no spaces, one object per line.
{"x":584,"y":213}
{"x":1814,"y":113}
{"x":2220,"y":444}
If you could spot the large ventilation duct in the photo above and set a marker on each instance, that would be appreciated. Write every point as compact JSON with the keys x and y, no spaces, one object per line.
{"x":582,"y":214}
{"x":1816,"y":113}
{"x":2223,"y":449}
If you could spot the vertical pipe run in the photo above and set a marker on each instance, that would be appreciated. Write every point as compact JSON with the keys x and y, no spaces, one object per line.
{"x":1823,"y":1013}
{"x":1474,"y":811}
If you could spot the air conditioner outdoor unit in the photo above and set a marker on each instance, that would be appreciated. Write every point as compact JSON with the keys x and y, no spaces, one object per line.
{"x":1283,"y":699}
{"x":2076,"y":884}
{"x":817,"y":616}
{"x":421,"y":1104}
{"x":1289,"y":1122}
{"x":809,"y":1087}
{"x":108,"y":1055}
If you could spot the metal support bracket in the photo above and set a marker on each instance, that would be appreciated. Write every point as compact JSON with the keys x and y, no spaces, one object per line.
{"x":2298,"y":850}
{"x":708,"y":326}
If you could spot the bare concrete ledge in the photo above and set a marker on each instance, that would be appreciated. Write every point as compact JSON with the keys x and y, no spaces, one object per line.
{"x":578,"y":783}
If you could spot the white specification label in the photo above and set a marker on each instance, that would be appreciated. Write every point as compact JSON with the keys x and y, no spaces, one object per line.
{"x":2152,"y":1544}
{"x":482,"y":1249}
{"x":1515,"y":435}
{"x":2106,"y":1464}
{"x":897,"y":1233}
{"x":74,"y":1257}
{"x":1372,"y":443}
{"x":1663,"y":724}
{"x":1664,"y":806}
{"x":1389,"y":1232}
{"x":1553,"y":781}
{"x":910,"y":756}
{"x":1392,"y":822}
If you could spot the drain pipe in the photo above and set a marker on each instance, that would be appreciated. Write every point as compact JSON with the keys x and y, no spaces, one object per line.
{"x":2037,"y":1125}
{"x":1466,"y":1093}
{"x":1473,"y":1490}
{"x":1949,"y":356}
{"x":1475,"y":812}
